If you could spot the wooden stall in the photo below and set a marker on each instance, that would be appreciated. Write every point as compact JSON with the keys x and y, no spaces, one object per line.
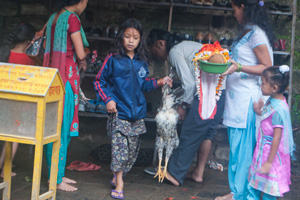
{"x":31,"y":103}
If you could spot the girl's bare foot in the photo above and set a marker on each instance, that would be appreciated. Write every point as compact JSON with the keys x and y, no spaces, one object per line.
{"x":119,"y":188}
{"x":12,"y":174}
{"x":172,"y":179}
{"x":66,"y":187}
{"x":225,"y":197}
{"x":67,"y":180}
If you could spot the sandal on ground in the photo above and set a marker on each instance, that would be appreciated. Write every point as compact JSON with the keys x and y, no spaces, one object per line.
{"x":75,"y":164}
{"x":112,"y":183}
{"x":88,"y":167}
{"x":117,"y":196}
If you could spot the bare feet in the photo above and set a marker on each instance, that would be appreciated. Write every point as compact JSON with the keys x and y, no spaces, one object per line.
{"x":66,"y":187}
{"x":225,"y":197}
{"x":172,"y":179}
{"x":12,"y":174}
{"x":195,"y":176}
{"x":67,"y":180}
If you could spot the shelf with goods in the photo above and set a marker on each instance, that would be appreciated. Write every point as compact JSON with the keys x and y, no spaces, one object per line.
{"x":284,"y":53}
{"x":185,"y":5}
{"x":99,"y":115}
{"x":108,"y":39}
{"x":147,"y":119}
{"x":171,"y":8}
{"x":205,"y":10}
{"x":93,"y":38}
{"x":90,"y":75}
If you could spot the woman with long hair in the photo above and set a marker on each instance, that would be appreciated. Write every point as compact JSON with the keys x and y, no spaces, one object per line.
{"x":65,"y":51}
{"x":251,"y":55}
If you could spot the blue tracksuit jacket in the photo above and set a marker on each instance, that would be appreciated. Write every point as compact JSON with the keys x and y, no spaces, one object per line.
{"x":123,"y":80}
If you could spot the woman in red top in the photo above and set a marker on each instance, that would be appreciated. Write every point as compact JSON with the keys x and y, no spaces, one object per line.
{"x":65,"y":51}
{"x":13,"y":51}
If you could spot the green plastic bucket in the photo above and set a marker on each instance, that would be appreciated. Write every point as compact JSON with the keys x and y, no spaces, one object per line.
{"x":214,"y":68}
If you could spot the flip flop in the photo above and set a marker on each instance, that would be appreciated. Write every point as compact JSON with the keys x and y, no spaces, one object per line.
{"x":88,"y":167}
{"x":112,"y":183}
{"x":75,"y":164}
{"x":119,"y":194}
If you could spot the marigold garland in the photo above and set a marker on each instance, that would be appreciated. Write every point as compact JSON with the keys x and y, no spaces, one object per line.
{"x":204,"y":54}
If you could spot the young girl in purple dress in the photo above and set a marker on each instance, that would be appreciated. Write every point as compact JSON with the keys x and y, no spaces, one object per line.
{"x":270,"y":171}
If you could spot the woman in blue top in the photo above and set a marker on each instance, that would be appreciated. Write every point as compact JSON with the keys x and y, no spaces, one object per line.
{"x":251,"y":54}
{"x":120,"y":83}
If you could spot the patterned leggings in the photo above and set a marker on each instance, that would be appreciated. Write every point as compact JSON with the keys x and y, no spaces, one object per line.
{"x":124,"y":152}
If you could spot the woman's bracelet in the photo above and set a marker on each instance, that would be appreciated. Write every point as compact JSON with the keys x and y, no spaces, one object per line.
{"x":83,"y":61}
{"x":239,"y":69}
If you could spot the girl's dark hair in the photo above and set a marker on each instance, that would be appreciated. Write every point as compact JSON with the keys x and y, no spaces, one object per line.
{"x":159,"y":34}
{"x":257,"y":14}
{"x":275,"y":77}
{"x":21,"y":33}
{"x":141,"y":49}
{"x":63,"y":3}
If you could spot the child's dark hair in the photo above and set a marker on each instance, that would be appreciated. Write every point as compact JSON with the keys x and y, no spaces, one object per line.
{"x":141,"y":49}
{"x":21,"y":33}
{"x":63,"y":3}
{"x":274,"y":76}
{"x":159,"y":34}
{"x":255,"y":12}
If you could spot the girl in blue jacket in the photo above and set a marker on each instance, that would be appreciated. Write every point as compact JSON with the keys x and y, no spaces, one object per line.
{"x":120,"y":83}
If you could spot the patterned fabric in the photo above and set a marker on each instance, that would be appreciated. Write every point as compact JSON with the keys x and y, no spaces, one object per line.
{"x":55,"y":53}
{"x":115,"y":124}
{"x":279,"y":178}
{"x":282,"y":109}
{"x":125,"y":142}
{"x":256,"y":194}
{"x":56,"y":57}
{"x":124,"y":152}
{"x":240,"y":86}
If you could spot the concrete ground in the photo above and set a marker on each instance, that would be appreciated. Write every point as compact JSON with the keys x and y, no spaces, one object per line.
{"x":94,"y":185}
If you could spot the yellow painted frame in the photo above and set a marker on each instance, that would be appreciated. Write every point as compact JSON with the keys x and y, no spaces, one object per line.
{"x":39,"y":141}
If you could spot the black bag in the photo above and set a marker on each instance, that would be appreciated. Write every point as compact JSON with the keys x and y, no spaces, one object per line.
{"x":36,"y":48}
